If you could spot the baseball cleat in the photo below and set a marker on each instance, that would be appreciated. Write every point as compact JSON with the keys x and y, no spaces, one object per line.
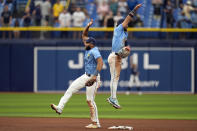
{"x":93,"y":126}
{"x":57,"y":109}
{"x":114,"y":102}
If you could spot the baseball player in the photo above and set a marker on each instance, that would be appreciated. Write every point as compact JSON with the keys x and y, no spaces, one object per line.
{"x":134,"y":78}
{"x":90,"y":80}
{"x":120,"y":50}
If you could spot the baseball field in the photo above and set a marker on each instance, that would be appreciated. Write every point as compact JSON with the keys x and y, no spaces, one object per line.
{"x":147,"y":112}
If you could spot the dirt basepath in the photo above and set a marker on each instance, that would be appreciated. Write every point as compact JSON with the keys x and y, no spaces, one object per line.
{"x":74,"y":124}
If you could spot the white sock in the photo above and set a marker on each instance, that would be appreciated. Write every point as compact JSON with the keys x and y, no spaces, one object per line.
{"x":113,"y":86}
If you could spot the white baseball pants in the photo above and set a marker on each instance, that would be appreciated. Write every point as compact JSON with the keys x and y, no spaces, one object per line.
{"x":115,"y":68}
{"x":90,"y":95}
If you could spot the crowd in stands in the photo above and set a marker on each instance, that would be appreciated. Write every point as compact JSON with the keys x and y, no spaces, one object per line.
{"x":106,"y":13}
{"x":177,"y":13}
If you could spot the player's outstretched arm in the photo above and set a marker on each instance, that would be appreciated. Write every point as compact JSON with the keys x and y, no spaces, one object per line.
{"x":85,"y":32}
{"x":130,"y":16}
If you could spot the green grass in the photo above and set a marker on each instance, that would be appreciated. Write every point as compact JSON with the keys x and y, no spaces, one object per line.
{"x":146,"y":106}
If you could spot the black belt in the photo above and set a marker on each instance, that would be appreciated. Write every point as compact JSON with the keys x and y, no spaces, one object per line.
{"x":116,"y":54}
{"x":88,"y":74}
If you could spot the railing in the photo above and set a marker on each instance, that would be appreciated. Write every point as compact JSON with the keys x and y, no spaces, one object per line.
{"x":32,"y":28}
{"x":48,"y":32}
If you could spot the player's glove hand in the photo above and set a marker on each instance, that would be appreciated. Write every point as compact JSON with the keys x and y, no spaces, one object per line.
{"x":91,"y":81}
{"x":124,"y":52}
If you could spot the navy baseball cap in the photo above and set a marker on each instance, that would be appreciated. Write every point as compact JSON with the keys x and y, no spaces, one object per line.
{"x":91,"y":40}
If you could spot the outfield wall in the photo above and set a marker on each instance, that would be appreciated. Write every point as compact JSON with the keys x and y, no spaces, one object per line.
{"x":165,"y":66}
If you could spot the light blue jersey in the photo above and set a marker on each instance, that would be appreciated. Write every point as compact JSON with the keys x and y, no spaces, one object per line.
{"x":90,"y":60}
{"x":119,"y":38}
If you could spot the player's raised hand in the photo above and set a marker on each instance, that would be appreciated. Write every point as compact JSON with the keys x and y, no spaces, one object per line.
{"x":85,"y":32}
{"x":137,"y":7}
{"x":90,"y":23}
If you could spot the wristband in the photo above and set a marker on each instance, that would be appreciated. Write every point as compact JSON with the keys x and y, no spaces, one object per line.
{"x":132,"y":13}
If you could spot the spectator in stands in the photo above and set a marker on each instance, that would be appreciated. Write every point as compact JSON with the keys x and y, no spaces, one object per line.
{"x":27,"y":22}
{"x":194,"y":19}
{"x":169,"y":18}
{"x":65,"y":21}
{"x":169,"y":14}
{"x":80,"y":3}
{"x":177,"y":3}
{"x":117,"y":17}
{"x":180,"y":8}
{"x":56,"y":34}
{"x":16,"y":32}
{"x":102,"y":11}
{"x":1,"y":6}
{"x":10,"y":5}
{"x":100,"y":2}
{"x":109,"y":22}
{"x":46,"y":12}
{"x":187,"y":8}
{"x":183,"y":22}
{"x":195,"y":3}
{"x":57,"y":9}
{"x":72,"y":7}
{"x":6,"y":19}
{"x":27,"y":18}
{"x":37,"y":15}
{"x":123,"y":7}
{"x":194,"y":23}
{"x":78,"y":19}
{"x":114,"y":6}
{"x":157,"y":4}
{"x":179,"y":11}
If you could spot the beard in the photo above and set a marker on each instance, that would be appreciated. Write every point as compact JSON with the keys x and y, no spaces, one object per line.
{"x":88,"y":48}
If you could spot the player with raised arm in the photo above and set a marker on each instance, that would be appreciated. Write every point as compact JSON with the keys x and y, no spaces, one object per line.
{"x":90,"y":80}
{"x":120,"y":50}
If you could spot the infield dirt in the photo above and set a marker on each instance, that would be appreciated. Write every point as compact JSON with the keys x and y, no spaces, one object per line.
{"x":75,"y":124}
